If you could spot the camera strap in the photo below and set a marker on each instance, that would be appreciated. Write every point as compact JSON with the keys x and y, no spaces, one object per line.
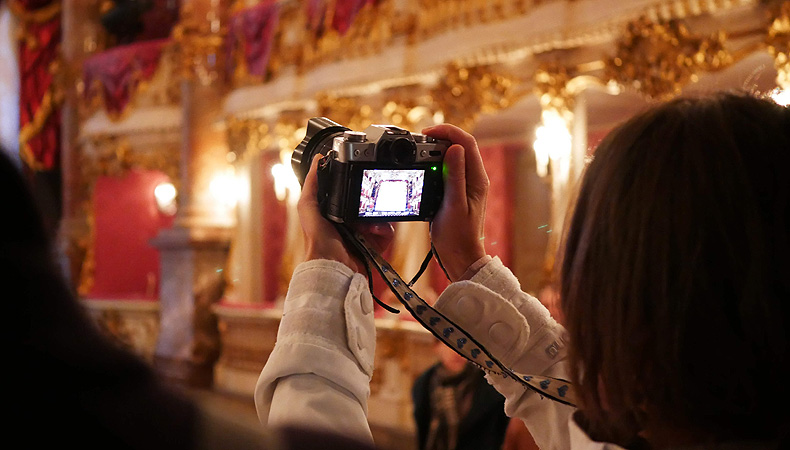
{"x":445,"y":329}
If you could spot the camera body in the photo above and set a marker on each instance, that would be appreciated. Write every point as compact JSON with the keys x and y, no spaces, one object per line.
{"x":385,"y":173}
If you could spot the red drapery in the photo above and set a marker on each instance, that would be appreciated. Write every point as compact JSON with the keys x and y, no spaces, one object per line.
{"x":113,"y":76}
{"x":250,"y":35}
{"x":39,"y":96}
{"x":345,"y":11}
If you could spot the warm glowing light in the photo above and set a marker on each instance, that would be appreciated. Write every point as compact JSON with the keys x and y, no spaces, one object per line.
{"x":553,"y":144}
{"x":286,"y":185}
{"x":225,"y":188}
{"x":781,"y":96}
{"x":165,"y":194}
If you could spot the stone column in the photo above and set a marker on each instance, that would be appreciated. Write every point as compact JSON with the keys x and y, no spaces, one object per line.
{"x":80,"y":37}
{"x":194,"y":252}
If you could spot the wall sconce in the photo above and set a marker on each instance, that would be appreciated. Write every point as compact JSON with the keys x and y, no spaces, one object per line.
{"x":224,"y":187}
{"x":553,"y":143}
{"x":165,"y":195}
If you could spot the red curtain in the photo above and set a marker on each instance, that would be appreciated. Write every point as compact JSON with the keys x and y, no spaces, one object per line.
{"x":345,"y":11}
{"x":39,"y":97}
{"x":250,"y":34}
{"x":114,"y":75}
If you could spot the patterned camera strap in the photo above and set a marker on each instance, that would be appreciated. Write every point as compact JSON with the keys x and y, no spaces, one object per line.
{"x":448,"y":332}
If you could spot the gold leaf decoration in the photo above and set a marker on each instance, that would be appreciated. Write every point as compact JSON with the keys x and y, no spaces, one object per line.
{"x":466,"y":92}
{"x":659,"y":58}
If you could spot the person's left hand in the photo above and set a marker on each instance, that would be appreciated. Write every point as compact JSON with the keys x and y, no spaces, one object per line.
{"x":322,"y":241}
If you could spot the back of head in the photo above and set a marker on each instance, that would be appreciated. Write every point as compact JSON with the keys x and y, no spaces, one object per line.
{"x":676,"y":270}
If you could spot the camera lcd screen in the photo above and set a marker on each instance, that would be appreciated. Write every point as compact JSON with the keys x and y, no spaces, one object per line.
{"x":391,"y":192}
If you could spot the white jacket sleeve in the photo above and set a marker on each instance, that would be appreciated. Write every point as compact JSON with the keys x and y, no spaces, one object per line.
{"x":319,"y":371}
{"x":519,"y":331}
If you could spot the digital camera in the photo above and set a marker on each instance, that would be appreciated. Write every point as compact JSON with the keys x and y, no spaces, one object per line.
{"x":385,"y":173}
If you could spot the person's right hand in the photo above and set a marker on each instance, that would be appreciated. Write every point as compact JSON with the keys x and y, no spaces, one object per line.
{"x":457,"y":230}
{"x":322,"y":240}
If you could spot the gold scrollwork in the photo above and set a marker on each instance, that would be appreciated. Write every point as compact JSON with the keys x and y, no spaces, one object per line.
{"x":465,"y":92}
{"x":659,"y":58}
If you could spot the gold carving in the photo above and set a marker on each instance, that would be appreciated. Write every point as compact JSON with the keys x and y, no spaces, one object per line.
{"x":247,"y":136}
{"x":465,"y":92}
{"x":347,"y":111}
{"x":199,"y":37}
{"x":551,"y":86}
{"x":658,"y":59}
{"x":371,"y":29}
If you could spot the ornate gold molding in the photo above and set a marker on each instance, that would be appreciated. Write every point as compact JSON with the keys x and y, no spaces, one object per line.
{"x":200,"y":41}
{"x":659,"y":58}
{"x":465,"y":92}
{"x":551,"y":86}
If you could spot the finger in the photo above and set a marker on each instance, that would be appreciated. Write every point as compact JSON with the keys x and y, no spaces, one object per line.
{"x":309,"y":194}
{"x":475,"y":172}
{"x":455,"y":176}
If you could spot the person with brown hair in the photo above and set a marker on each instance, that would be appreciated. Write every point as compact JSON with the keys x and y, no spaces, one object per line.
{"x":674,"y":286}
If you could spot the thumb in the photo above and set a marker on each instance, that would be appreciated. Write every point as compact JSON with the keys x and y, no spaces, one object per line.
{"x":455,"y":175}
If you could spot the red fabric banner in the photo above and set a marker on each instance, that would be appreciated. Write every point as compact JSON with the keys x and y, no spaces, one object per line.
{"x":39,"y":96}
{"x":343,"y":14}
{"x":113,"y":76}
{"x":250,"y":36}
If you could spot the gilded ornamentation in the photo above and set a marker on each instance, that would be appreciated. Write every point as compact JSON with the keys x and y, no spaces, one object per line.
{"x":408,"y":107}
{"x":200,"y":40}
{"x":778,"y":43}
{"x":347,"y":111}
{"x":659,"y":58}
{"x":247,"y":136}
{"x":367,"y":33}
{"x":551,"y":86}
{"x":440,"y":16}
{"x":465,"y":92}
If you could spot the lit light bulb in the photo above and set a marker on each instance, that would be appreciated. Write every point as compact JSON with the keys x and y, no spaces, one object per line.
{"x":225,"y":188}
{"x":165,"y":195}
{"x":553,"y":143}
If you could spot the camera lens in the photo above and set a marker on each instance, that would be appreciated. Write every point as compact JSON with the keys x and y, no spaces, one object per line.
{"x":398,"y":151}
{"x":317,"y":140}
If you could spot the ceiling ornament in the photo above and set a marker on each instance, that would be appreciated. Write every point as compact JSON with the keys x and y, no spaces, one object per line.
{"x":463,"y":93}
{"x":659,"y":58}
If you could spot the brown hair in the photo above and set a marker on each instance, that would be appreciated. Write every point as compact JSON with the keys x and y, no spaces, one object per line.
{"x":675,"y":278}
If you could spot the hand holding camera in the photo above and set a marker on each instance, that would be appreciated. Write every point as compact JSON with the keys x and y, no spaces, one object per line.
{"x":387,"y":174}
